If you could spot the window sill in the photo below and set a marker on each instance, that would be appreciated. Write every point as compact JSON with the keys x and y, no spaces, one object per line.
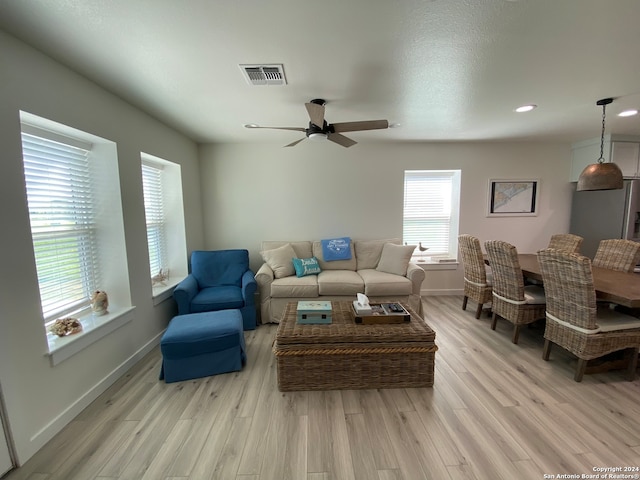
{"x":164,"y":292}
{"x":93,"y":329}
{"x":434,"y":263}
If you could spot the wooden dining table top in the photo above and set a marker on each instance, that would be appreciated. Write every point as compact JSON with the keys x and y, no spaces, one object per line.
{"x":612,"y":286}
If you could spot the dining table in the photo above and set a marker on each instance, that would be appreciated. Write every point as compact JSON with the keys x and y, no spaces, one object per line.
{"x":621,"y":288}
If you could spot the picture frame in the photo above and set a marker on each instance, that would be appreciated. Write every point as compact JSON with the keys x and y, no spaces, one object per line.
{"x":513,"y":197}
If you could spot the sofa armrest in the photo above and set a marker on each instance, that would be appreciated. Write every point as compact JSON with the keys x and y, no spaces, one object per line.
{"x":264,"y":278}
{"x":184,"y":293}
{"x":249,"y":287}
{"x":416,"y":274}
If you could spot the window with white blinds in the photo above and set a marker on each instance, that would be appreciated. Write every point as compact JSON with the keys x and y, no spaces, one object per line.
{"x":152,"y":184}
{"x":431,"y":209}
{"x":61,"y":211}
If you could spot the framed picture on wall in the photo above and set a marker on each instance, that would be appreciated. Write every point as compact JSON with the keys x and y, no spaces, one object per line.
{"x":513,"y":198}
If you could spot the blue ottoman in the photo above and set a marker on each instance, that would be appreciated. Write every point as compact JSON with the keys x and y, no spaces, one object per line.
{"x":202,"y":344}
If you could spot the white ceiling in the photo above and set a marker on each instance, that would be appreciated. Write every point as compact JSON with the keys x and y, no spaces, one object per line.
{"x":445,"y":70}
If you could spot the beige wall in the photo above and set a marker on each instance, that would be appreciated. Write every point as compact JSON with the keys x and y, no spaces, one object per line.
{"x":41,"y":399}
{"x":254,"y":192}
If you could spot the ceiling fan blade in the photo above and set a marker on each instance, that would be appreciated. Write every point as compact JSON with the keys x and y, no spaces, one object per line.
{"x":356,"y":126}
{"x":316,"y":113}
{"x":293,"y":144}
{"x":296,"y":129}
{"x":341,"y":140}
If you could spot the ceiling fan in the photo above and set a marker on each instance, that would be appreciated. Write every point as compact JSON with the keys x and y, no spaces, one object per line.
{"x":319,"y":129}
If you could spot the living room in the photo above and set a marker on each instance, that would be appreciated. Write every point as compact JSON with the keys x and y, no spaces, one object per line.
{"x":235,"y":195}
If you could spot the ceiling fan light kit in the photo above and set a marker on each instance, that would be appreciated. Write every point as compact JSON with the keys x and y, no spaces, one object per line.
{"x":319,"y":129}
{"x":601,"y":175}
{"x":317,"y":136}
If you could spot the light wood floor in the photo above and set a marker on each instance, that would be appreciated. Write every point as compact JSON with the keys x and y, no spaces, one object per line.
{"x":496,"y":411}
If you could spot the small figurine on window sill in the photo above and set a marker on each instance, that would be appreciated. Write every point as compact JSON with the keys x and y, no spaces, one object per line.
{"x":99,"y":303}
{"x":422,"y":250}
{"x":160,"y":278}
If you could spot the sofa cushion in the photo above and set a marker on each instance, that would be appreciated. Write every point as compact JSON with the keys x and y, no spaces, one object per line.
{"x":280,"y":260}
{"x":395,"y":258}
{"x":306,"y":266}
{"x":340,"y":282}
{"x":336,"y":264}
{"x":377,"y":284}
{"x":295,"y":287}
{"x":368,"y":252}
{"x":302,"y":248}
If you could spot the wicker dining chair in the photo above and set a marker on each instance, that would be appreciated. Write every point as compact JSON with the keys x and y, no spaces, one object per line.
{"x":512,"y":300}
{"x":574,"y":320}
{"x":477,"y":284}
{"x":566,"y":241}
{"x":617,"y":254}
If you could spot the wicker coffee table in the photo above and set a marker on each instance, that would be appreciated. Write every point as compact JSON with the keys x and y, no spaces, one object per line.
{"x":344,"y":355}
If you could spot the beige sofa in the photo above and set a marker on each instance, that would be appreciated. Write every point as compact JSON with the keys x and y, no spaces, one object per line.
{"x":381,"y":269}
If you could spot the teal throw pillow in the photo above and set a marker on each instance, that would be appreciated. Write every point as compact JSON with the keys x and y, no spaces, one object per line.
{"x":306,"y":266}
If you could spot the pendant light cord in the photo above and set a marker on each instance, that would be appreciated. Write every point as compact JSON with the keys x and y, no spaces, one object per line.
{"x":601,"y":159}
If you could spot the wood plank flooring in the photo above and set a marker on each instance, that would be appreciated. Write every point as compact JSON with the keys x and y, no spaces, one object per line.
{"x":496,"y":411}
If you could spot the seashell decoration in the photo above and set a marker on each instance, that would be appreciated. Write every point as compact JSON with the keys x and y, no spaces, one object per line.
{"x":99,"y":303}
{"x":66,"y":326}
{"x":160,"y":277}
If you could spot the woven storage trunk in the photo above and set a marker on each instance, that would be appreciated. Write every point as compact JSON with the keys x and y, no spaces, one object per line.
{"x":344,"y":355}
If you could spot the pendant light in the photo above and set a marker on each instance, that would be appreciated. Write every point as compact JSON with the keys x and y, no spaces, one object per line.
{"x":602,"y":175}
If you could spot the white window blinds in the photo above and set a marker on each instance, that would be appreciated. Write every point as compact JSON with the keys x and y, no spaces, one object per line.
{"x":430,"y":210}
{"x":152,"y":183}
{"x":61,"y":211}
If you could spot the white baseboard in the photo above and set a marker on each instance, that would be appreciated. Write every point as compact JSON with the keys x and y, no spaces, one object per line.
{"x":58,"y":423}
{"x":437,"y":291}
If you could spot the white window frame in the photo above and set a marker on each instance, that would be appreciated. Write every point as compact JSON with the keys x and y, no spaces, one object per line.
{"x":174,"y":231}
{"x":152,"y":187}
{"x":62,"y":216}
{"x":432,"y":196}
{"x":108,"y":226}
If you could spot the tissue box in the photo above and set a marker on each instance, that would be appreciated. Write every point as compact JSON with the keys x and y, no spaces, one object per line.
{"x":313,"y":312}
{"x":362,"y":310}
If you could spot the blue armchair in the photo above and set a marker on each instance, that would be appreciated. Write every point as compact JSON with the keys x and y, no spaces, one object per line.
{"x":219,"y":280}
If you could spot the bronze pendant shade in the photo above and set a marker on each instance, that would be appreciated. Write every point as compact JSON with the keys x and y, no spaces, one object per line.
{"x":601,"y":175}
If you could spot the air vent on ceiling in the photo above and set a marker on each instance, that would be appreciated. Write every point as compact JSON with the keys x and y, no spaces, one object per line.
{"x":264,"y":74}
